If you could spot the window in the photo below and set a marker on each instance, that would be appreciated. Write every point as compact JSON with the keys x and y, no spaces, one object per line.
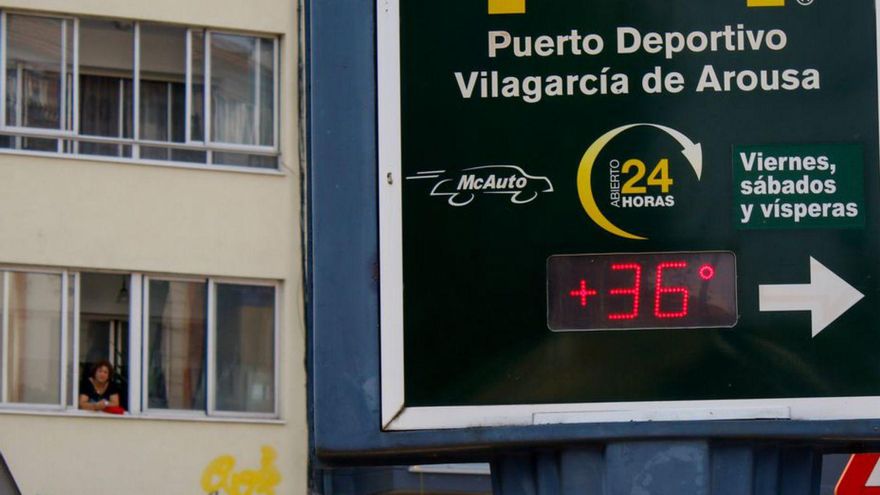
{"x":244,"y":348}
{"x":32,"y":334}
{"x":138,"y":90}
{"x":177,"y":361}
{"x":182,"y":346}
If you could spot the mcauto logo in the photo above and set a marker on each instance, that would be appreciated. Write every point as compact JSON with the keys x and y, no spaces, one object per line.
{"x":461,"y":188}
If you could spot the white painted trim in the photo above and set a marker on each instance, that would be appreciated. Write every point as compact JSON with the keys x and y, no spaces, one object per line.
{"x":148,"y":162}
{"x":211,"y":348}
{"x":136,"y":93}
{"x":187,"y":94}
{"x":28,"y":406}
{"x":145,"y":345}
{"x":21,"y":131}
{"x":74,"y":375}
{"x":65,"y":317}
{"x":258,"y":48}
{"x":206,"y":90}
{"x":54,"y":411}
{"x":26,"y":269}
{"x":75,"y":95}
{"x":819,"y":409}
{"x":4,"y":359}
{"x":135,"y":334}
{"x":390,"y":219}
{"x":4,"y":54}
{"x":120,"y":110}
{"x":169,"y":119}
{"x":62,"y":104}
{"x":89,"y":138}
{"x":276,"y":100}
{"x":18,"y":104}
{"x":472,"y":468}
{"x":242,"y":414}
{"x":276,"y":407}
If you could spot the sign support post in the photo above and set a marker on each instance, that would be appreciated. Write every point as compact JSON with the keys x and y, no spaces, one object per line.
{"x":697,"y":467}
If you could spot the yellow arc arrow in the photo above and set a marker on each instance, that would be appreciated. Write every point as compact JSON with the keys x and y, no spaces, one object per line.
{"x":692,"y":151}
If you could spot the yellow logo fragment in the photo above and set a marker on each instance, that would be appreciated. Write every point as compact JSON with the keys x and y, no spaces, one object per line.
{"x":509,"y":6}
{"x":765,"y":3}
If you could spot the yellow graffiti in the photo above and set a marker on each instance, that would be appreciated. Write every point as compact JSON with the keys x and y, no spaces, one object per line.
{"x":219,"y":475}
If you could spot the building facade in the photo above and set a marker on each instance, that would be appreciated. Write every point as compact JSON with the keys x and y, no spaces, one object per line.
{"x":151,"y":206}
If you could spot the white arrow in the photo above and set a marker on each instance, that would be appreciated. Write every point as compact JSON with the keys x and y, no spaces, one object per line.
{"x":826,"y":297}
{"x":693,"y":152}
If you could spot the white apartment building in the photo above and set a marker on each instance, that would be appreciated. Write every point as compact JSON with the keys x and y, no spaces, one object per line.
{"x":150,"y":216}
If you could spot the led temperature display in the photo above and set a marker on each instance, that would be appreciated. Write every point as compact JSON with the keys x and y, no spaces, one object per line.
{"x":641,"y":290}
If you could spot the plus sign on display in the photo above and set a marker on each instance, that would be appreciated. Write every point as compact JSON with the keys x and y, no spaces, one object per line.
{"x":627,"y":210}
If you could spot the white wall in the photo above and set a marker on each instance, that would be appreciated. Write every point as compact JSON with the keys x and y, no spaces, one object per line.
{"x":93,"y":215}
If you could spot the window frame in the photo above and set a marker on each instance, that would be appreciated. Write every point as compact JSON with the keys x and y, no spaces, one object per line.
{"x":70,"y":102}
{"x":145,"y":349}
{"x":212,"y":359}
{"x":65,"y":130}
{"x":138,"y":338}
{"x":4,"y":340}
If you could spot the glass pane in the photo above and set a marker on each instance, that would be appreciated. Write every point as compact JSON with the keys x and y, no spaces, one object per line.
{"x":245,"y":160}
{"x":233,"y":88}
{"x":267,"y":92}
{"x":162,"y":109}
{"x":245,"y":348}
{"x":105,"y":109}
{"x":34,"y":357}
{"x":38,"y":61}
{"x":106,"y":74}
{"x":163,"y":79}
{"x":173,"y":154}
{"x":197,"y":126}
{"x":176,"y":370}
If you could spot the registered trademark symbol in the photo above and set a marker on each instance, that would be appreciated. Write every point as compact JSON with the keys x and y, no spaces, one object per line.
{"x":805,"y":2}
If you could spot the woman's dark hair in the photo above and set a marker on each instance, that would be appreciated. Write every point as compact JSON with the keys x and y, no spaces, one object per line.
{"x":102,"y":364}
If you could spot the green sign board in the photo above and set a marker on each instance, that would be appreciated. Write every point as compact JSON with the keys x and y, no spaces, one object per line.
{"x":618,"y":210}
{"x":799,"y":186}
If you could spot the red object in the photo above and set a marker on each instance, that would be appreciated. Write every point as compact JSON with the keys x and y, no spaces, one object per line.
{"x":583,"y":292}
{"x":633,"y":291}
{"x":659,"y":290}
{"x":707,"y":272}
{"x":114,"y":410}
{"x":855,"y":476}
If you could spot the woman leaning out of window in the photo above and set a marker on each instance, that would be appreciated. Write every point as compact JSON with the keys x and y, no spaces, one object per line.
{"x":97,"y":392}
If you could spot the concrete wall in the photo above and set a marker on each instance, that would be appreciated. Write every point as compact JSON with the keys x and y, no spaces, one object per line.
{"x":98,"y":215}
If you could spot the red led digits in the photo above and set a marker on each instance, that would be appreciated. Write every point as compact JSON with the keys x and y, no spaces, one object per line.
{"x":633,"y":291}
{"x":659,"y":290}
{"x":707,"y":271}
{"x":629,"y":291}
{"x":583,"y":292}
